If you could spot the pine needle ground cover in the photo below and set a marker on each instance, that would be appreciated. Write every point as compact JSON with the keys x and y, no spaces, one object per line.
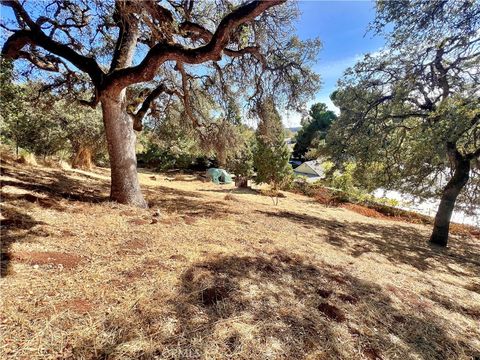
{"x":199,"y":276}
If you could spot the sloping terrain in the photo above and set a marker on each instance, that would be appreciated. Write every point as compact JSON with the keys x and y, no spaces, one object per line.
{"x":213,"y":272}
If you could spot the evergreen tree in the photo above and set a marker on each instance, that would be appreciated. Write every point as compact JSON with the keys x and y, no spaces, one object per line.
{"x":46,"y":124}
{"x":240,"y":162}
{"x":313,"y":131}
{"x":271,"y":154}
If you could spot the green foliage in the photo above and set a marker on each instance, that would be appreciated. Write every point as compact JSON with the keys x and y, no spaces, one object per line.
{"x":271,"y":155}
{"x":156,"y":154}
{"x":44,"y":123}
{"x":310,"y":137}
{"x":170,"y":144}
{"x":408,"y":112}
{"x":27,"y":126}
{"x":344,"y":180}
{"x":338,"y":188}
{"x":240,"y":161}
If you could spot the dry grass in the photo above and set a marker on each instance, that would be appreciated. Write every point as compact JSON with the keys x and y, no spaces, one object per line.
{"x":201,"y":276}
{"x":328,"y":197}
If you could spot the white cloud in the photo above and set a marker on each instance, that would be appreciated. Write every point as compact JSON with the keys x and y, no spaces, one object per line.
{"x":332,"y":70}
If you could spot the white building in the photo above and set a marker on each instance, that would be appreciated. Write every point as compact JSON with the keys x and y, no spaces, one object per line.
{"x":312,"y":169}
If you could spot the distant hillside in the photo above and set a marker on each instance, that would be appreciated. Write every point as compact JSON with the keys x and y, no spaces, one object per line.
{"x":294,"y":129}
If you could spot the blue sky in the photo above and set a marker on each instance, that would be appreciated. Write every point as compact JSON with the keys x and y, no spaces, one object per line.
{"x":342,"y":26}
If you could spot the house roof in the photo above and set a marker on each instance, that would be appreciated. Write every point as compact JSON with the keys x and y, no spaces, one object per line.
{"x":314,"y":165}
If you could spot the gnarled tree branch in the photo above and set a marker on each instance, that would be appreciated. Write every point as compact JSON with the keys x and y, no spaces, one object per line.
{"x":162,"y":52}
{"x":35,"y":36}
{"x":154,"y":94}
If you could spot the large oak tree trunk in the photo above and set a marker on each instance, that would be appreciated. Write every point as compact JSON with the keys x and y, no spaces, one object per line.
{"x":121,"y":139}
{"x":222,"y":157}
{"x":447,"y":203}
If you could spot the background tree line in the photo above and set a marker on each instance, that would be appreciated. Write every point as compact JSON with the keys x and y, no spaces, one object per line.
{"x":410,"y":114}
{"x":47,"y":124}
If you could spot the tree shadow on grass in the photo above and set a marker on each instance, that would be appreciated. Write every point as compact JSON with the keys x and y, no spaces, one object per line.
{"x":56,"y":185}
{"x":51,"y":187}
{"x":399,"y":244}
{"x":300,"y":309}
{"x":279,"y":306}
{"x":236,"y":190}
{"x":14,"y":227}
{"x":186,"y":203}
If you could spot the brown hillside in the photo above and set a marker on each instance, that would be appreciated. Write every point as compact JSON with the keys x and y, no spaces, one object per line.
{"x":212,"y":272}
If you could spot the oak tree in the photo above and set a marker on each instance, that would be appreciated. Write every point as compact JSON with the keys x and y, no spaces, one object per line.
{"x":411,"y":113}
{"x":166,"y":49}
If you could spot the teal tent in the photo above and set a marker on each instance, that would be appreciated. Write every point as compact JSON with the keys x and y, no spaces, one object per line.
{"x":219,"y":176}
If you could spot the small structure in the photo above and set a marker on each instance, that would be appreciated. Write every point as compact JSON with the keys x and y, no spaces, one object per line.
{"x":219,"y":176}
{"x":313,"y":170}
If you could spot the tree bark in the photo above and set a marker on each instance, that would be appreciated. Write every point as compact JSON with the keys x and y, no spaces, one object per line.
{"x":241,"y":181}
{"x":221,"y":157}
{"x":460,"y":178}
{"x":121,"y":139}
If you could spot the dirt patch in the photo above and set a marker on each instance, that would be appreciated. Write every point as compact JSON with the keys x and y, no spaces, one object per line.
{"x":363,"y":210}
{"x":371,"y":353}
{"x":138,"y":222}
{"x":379,"y":211}
{"x":68,"y":261}
{"x":78,"y":305}
{"x":332,"y":312}
{"x":462,"y":229}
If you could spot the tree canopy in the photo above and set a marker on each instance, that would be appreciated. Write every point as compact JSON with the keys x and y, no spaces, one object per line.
{"x":46,"y":124}
{"x":410,"y":113}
